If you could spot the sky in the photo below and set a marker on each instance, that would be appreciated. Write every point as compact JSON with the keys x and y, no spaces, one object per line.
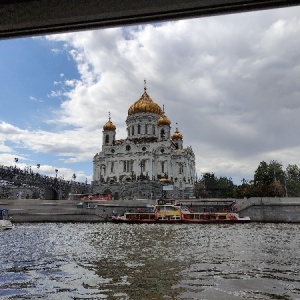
{"x":230,"y":82}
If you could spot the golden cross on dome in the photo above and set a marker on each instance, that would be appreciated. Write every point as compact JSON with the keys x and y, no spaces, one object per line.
{"x":145,"y":87}
{"x":109,"y":115}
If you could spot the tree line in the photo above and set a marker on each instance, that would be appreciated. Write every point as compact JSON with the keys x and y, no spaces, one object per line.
{"x":269,"y":180}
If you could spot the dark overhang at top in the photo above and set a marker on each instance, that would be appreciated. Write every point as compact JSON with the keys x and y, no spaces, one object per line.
{"x":19,"y":18}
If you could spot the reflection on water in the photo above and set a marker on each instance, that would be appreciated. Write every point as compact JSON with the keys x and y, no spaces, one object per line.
{"x":150,"y":261}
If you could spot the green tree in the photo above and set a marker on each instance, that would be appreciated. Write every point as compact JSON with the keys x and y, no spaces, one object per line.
{"x":199,"y":189}
{"x":269,"y":179}
{"x":226,"y":187}
{"x":262,"y":179}
{"x":245,"y":190}
{"x":292,"y":181}
{"x":211,"y":186}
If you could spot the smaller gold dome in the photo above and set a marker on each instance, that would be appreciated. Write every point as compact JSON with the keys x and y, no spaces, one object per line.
{"x":177,"y":135}
{"x":163,"y":120}
{"x":163,"y":179}
{"x":109,"y":125}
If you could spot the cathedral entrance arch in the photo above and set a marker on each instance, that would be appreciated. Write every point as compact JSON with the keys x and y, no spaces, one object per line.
{"x":51,"y":194}
{"x":127,"y":179}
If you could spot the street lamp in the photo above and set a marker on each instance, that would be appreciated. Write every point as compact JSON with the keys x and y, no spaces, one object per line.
{"x":132,"y":174}
{"x":56,"y":172}
{"x":285,"y":187}
{"x":16,"y":160}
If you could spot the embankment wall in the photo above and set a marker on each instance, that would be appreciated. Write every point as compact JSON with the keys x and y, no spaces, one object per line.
{"x":270,"y":209}
{"x":33,"y":210}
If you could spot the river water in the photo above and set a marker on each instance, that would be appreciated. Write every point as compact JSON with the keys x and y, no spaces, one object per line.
{"x":150,"y":261}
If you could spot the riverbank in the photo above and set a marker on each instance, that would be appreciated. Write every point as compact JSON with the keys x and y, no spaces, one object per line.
{"x":36,"y":210}
{"x":286,"y":210}
{"x":33,"y":210}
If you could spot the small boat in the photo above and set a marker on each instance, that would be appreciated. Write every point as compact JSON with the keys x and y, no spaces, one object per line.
{"x":5,"y":220}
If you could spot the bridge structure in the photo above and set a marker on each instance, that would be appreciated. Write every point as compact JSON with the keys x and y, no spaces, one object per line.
{"x":21,"y":18}
{"x":17,"y":184}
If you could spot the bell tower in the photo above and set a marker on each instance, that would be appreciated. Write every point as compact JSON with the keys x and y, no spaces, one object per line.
{"x":109,"y":133}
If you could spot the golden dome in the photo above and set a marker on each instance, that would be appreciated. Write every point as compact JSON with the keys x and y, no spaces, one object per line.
{"x":145,"y":104}
{"x":163,"y":179}
{"x":109,"y":125}
{"x":163,"y":120}
{"x":177,"y":135}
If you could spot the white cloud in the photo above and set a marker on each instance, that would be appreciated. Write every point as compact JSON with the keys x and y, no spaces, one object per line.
{"x":232,"y":88}
{"x":35,"y":99}
{"x":231,"y":83}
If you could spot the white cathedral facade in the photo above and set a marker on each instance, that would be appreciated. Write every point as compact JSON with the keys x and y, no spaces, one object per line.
{"x":150,"y":156}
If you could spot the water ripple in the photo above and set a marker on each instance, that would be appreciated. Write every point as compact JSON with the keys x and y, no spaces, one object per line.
{"x":150,"y":261}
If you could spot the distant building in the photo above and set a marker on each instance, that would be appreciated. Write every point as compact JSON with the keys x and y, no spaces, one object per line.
{"x":148,"y":158}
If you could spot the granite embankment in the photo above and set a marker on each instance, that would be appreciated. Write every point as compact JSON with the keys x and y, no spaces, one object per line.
{"x":35,"y":210}
{"x":32,"y":210}
{"x":286,"y":210}
{"x":29,"y":210}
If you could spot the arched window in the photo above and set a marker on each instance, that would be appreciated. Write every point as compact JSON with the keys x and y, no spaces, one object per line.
{"x":132,"y":130}
{"x":107,"y":139}
{"x":162,"y":133}
{"x":128,"y":166}
{"x":143,"y":165}
{"x":153,"y":129}
{"x":139,"y":129}
{"x":180,"y":168}
{"x":146,"y":129}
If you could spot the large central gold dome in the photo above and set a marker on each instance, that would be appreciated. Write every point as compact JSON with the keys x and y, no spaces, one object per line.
{"x":145,"y":104}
